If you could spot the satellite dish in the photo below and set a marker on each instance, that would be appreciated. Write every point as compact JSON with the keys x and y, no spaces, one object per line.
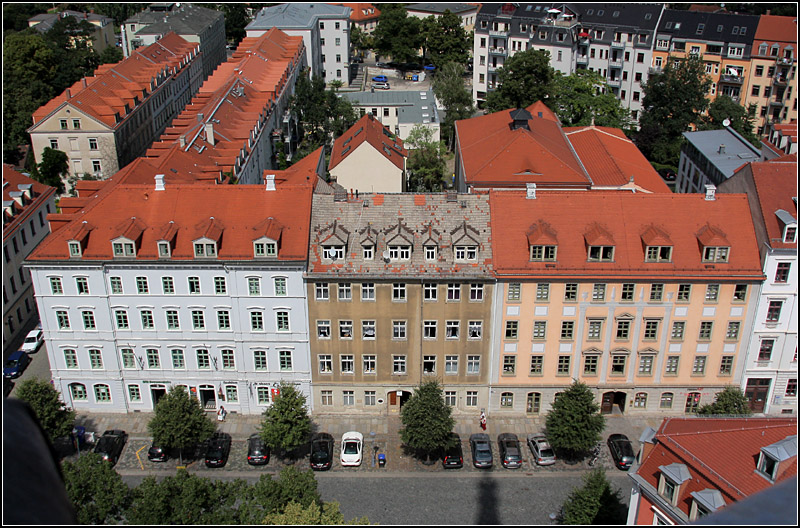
{"x":726,"y":122}
{"x":385,"y":256}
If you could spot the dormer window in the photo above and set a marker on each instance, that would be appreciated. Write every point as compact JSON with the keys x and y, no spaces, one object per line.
{"x":163,"y":249}
{"x":430,"y":253}
{"x":333,"y":252}
{"x":601,"y":253}
{"x":205,"y":249}
{"x":543,"y":253}
{"x":399,"y":252}
{"x":790,"y":234}
{"x":124,"y":249}
{"x":264,"y":249}
{"x":368,"y":252}
{"x":466,"y":252}
{"x":74,"y":249}
{"x":768,"y":466}
{"x":715,"y":254}
{"x":670,"y":480}
{"x":659,"y":254}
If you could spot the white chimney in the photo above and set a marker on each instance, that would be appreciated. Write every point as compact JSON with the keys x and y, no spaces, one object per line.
{"x":210,"y":133}
{"x":530,"y":191}
{"x":721,"y":149}
{"x":710,"y":191}
{"x":159,"y":182}
{"x":270,"y":181}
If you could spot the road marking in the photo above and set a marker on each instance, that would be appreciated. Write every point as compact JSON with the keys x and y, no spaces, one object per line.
{"x":139,"y":458}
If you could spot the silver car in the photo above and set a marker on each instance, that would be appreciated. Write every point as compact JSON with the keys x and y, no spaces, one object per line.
{"x":542,"y":453}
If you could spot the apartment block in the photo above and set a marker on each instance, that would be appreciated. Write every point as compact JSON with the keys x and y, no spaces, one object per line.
{"x":709,"y":157}
{"x":364,"y":16}
{"x":466,"y":12}
{"x":399,"y":111}
{"x":102,"y":35}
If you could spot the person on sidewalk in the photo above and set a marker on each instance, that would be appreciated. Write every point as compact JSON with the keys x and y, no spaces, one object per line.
{"x":483,"y":420}
{"x":221,"y":413}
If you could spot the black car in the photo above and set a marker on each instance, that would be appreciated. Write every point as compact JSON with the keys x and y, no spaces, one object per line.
{"x":157,"y":454}
{"x":110,"y":445}
{"x":453,"y":457}
{"x":481,"y":450}
{"x":219,"y":447}
{"x":510,"y":453}
{"x":257,"y":451}
{"x":621,"y":451}
{"x":321,"y":451}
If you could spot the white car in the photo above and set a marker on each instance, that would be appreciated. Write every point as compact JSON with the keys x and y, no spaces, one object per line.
{"x":352,"y":445}
{"x":33,"y":341}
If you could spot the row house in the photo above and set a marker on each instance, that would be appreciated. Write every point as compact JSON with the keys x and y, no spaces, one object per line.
{"x":466,"y":12}
{"x":363,"y":16}
{"x":102,"y":27}
{"x":399,"y":292}
{"x":106,"y":121}
{"x":145,"y":286}
{"x":770,"y":376}
{"x":26,"y":204}
{"x":325,"y":29}
{"x":194,"y":23}
{"x":649,"y":299}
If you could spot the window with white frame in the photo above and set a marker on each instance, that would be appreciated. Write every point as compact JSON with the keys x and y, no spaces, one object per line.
{"x":398,"y":291}
{"x":325,"y":363}
{"x":322,"y":291}
{"x":347,"y":363}
{"x":429,"y":329}
{"x":345,"y":329}
{"x":453,"y":292}
{"x":220,"y":286}
{"x":223,"y":320}
{"x":345,"y":291}
{"x":473,"y":365}
{"x":398,"y":364}
{"x":367,"y":291}
{"x":368,"y":329}
{"x":178,"y":359}
{"x":260,"y":359}
{"x":153,"y":358}
{"x":102,"y":393}
{"x":282,"y":321}
{"x":369,"y":362}
{"x":324,"y":329}
{"x":398,"y":329}
{"x":476,"y":292}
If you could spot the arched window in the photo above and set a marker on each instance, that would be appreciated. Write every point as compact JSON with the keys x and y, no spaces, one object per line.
{"x":640,"y":400}
{"x":692,"y":402}
{"x":102,"y":393}
{"x":506,"y":400}
{"x":78,"y":392}
{"x":533,"y":403}
{"x":666,"y":400}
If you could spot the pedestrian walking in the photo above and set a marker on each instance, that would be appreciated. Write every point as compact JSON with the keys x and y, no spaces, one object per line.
{"x":221,"y":413}
{"x":483,"y":420}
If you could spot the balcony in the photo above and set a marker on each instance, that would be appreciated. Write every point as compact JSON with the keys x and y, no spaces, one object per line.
{"x":615,"y":62}
{"x":498,"y":51}
{"x":731,"y":79}
{"x":779,"y":80}
{"x":617,"y":45}
{"x":492,"y":68}
{"x":785,"y":60}
{"x":775,"y":101}
{"x":582,"y":59}
{"x":613,"y":83}
{"x":498,"y":33}
{"x":654,"y":70}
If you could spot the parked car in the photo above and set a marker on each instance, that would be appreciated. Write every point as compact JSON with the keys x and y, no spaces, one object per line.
{"x":381,"y":65}
{"x":110,"y":445}
{"x":257,"y":451}
{"x":33,"y":341}
{"x":352,"y":445}
{"x":380,"y":79}
{"x":481,"y":450}
{"x":321,"y":451}
{"x":621,"y":451}
{"x":381,"y":85}
{"x":219,"y":447}
{"x":16,"y":364}
{"x":510,"y":453}
{"x":157,"y":453}
{"x":357,"y":59}
{"x":542,"y":453}
{"x":453,"y":457}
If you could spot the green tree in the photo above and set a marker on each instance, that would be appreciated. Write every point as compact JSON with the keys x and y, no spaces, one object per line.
{"x":45,"y":400}
{"x":118,"y":11}
{"x":583,"y":98}
{"x":427,"y":420}
{"x":286,"y":424}
{"x":179,"y":421}
{"x":236,"y":20}
{"x":574,"y":423}
{"x":594,"y":503}
{"x":360,"y":40}
{"x":16,"y":15}
{"x":54,"y":166}
{"x":448,"y":85}
{"x":398,"y":35}
{"x":96,"y":491}
{"x":314,"y":514}
{"x":731,"y":401}
{"x":741,"y":120}
{"x":525,"y":78}
{"x":70,"y":40}
{"x":673,"y":100}
{"x":270,"y":495}
{"x":446,"y":40}
{"x":426,"y":165}
{"x":111,"y":55}
{"x":323,"y":114}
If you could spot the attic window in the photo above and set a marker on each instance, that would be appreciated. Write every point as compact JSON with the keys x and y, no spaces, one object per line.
{"x":264,"y":249}
{"x":790,"y":234}
{"x":466,"y":252}
{"x":715,"y":254}
{"x":124,"y":249}
{"x":74,"y":249}
{"x":768,"y":466}
{"x":601,"y":253}
{"x":399,"y":252}
{"x":543,"y":253}
{"x":430,"y":253}
{"x":163,"y":249}
{"x":659,"y":254}
{"x":333,"y":252}
{"x":205,"y":249}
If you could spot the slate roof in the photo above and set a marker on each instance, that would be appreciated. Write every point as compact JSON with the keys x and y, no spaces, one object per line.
{"x":369,"y":130}
{"x":738,"y":150}
{"x":296,"y":15}
{"x":45,"y":21}
{"x":413,"y":106}
{"x":628,"y":14}
{"x":689,"y":22}
{"x":419,"y":219}
{"x":186,"y":19}
{"x":440,"y":8}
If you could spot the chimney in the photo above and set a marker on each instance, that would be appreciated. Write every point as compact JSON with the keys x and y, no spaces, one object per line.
{"x":721,"y":149}
{"x":68,"y":93}
{"x":182,"y":141}
{"x":269,"y":179}
{"x":710,"y":191}
{"x":159,"y":182}
{"x":530,"y":191}
{"x":210,"y":133}
{"x":200,"y":118}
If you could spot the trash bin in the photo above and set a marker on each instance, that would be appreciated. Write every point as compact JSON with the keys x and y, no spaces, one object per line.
{"x":415,"y":77}
{"x":381,"y":460}
{"x":79,"y":432}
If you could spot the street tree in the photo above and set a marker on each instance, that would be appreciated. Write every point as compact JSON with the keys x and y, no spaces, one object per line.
{"x":53,"y":167}
{"x":446,"y":40}
{"x":96,"y":491}
{"x":448,"y":85}
{"x":286,"y":424}
{"x":525,"y":78}
{"x":426,"y":165}
{"x":179,"y":421}
{"x":267,"y":495}
{"x":740,"y":119}
{"x":730,"y":402}
{"x":673,"y":100}
{"x":594,"y":502}
{"x":574,"y":423}
{"x":314,"y":514}
{"x":397,"y":34}
{"x":427,"y":420}
{"x":583,"y":98}
{"x":54,"y":417}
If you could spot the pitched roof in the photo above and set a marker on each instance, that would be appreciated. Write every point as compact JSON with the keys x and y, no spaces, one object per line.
{"x":621,"y":219}
{"x":772,"y":28}
{"x":362,"y":12}
{"x":296,"y":15}
{"x":715,"y":27}
{"x":776,"y":185}
{"x":369,"y":130}
{"x":29,"y":191}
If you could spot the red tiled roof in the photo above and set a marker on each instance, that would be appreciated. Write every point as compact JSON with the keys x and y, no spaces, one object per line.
{"x":612,"y":160}
{"x":40,"y":192}
{"x":776,"y":184}
{"x":369,"y":130}
{"x":772,"y":28}
{"x":695,"y":443}
{"x":359,"y":12}
{"x":621,"y":219}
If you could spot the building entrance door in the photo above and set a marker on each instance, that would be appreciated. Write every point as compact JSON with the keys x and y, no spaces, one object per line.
{"x":756,"y":393}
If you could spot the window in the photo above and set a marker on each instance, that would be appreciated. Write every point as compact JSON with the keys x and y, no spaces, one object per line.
{"x":791,"y":387}
{"x":452,"y":329}
{"x":194,"y":285}
{"x":672,"y":365}
{"x":684,"y":292}
{"x":398,"y":329}
{"x":712,"y":292}
{"x":563,"y":365}
{"x":466,"y":252}
{"x":512,"y":329}
{"x":618,"y":362}
{"x":95,"y":359}
{"x":345,"y":329}
{"x":163,"y":249}
{"x":347,"y":364}
{"x":260,"y":359}
{"x":78,"y":391}
{"x":345,"y":291}
{"x":599,"y":292}
{"x":116,"y":285}
{"x":475,"y":329}
{"x":699,"y":366}
{"x":123,"y":249}
{"x":774,"y":311}
{"x":740,"y":293}
{"x":429,"y":292}
{"x":651,"y":329}
{"x":327,"y":397}
{"x":678,"y":329}
{"x":715,"y":254}
{"x":262,"y":395}
{"x":348,"y":397}
{"x":451,"y":364}
{"x":542,"y":291}
{"x":141,"y":286}
{"x":656,"y":292}
{"x":601,"y":253}
{"x":74,"y":249}
{"x":172,"y":320}
{"x":658,"y":254}
{"x":88,"y":320}
{"x":595,"y":330}
{"x":765,"y":350}
{"x":205,"y":250}
{"x":726,"y":366}
{"x":733,"y":330}
{"x":231,"y":393}
{"x":507,"y":399}
{"x":543,"y":253}
{"x":476,"y":292}
{"x":76,"y":124}
{"x":429,"y":329}
{"x":790,"y":234}
{"x":282,"y":321}
{"x":121,"y":317}
{"x":322,"y":293}
{"x":399,"y":252}
{"x":324,"y":329}
{"x":627,"y":292}
{"x":509,"y":364}
{"x":285,"y":358}
{"x":646,"y":365}
{"x":198,"y":320}
{"x":590,"y":364}
{"x":429,"y":364}
{"x":368,"y":291}
{"x":453,"y":292}
{"x":473,"y":364}
{"x":178,"y":359}
{"x":514,"y":291}
{"x":398,"y":291}
{"x":96,"y":166}
{"x":781,"y":274}
{"x":472,"y":399}
{"x":567,"y":329}
{"x":220,"y":287}
{"x":153,"y":360}
{"x":168,"y":284}
{"x":256,"y":321}
{"x":398,"y":364}
{"x":430,"y":253}
{"x":128,"y":360}
{"x":223,"y":320}
{"x":102,"y":393}
{"x":55,"y":286}
{"x":623,"y":330}
{"x":83,"y":285}
{"x":63,"y":319}
{"x":369,"y":363}
{"x":368,"y":329}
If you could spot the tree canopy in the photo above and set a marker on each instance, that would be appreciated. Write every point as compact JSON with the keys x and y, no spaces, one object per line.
{"x":426,"y":166}
{"x":286,"y":423}
{"x":594,"y":503}
{"x":96,"y":490}
{"x":446,"y":40}
{"x":731,"y":401}
{"x":179,"y":421}
{"x":448,"y":85}
{"x":323,"y":114}
{"x":45,"y":400}
{"x":574,"y":423}
{"x":397,"y":34}
{"x":427,"y":419}
{"x":525,"y":78}
{"x":236,"y":20}
{"x":54,"y":166}
{"x":741,"y":120}
{"x":583,"y":98}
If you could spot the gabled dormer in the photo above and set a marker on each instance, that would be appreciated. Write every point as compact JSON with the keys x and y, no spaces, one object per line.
{"x":399,"y":241}
{"x":333,"y":239}
{"x":599,"y":244}
{"x":714,"y":244}
{"x":788,"y":225}
{"x":368,"y":241}
{"x":542,"y":242}
{"x":77,"y":244}
{"x":129,"y":238}
{"x":465,"y":240}
{"x":775,"y":459}
{"x":657,"y":245}
{"x":165,"y":244}
{"x":208,"y":238}
{"x":705,"y":502}
{"x":431,"y":239}
{"x":670,"y":480}
{"x":268,"y":238}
